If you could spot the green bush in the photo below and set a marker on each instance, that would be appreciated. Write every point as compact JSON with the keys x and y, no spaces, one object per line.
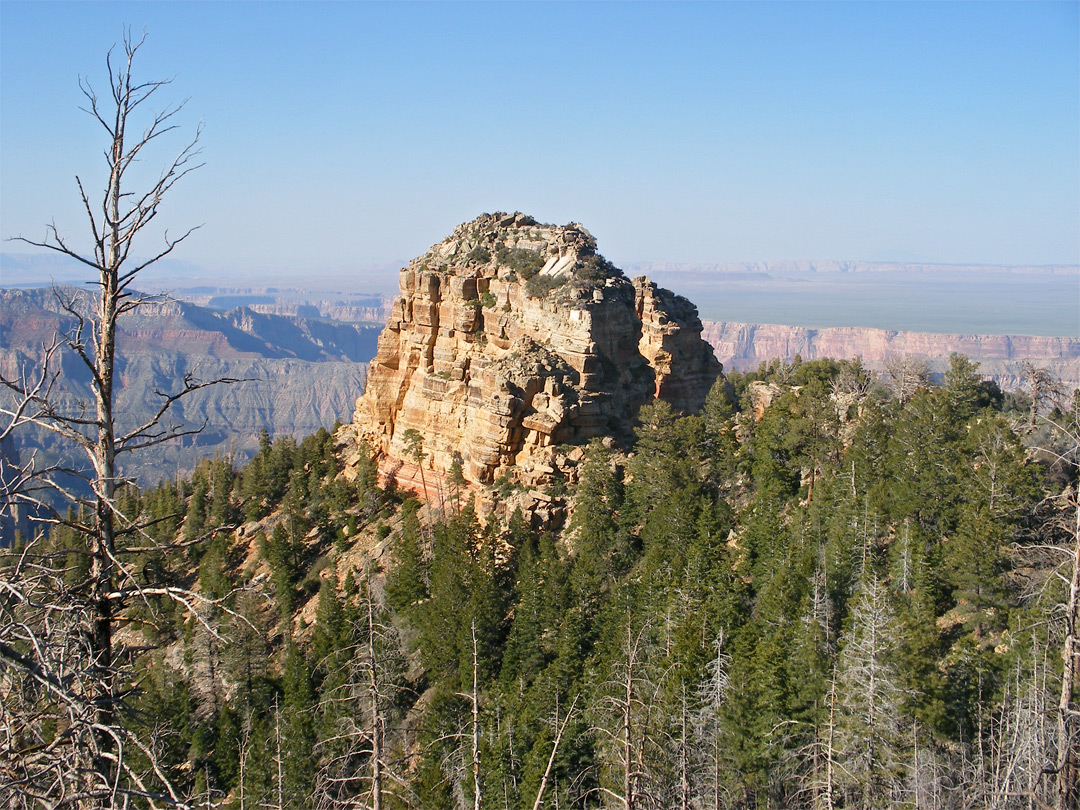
{"x":488,"y":300}
{"x":506,"y":486}
{"x":313,"y":580}
{"x":595,"y":269}
{"x":479,"y":254}
{"x":539,"y":286}
{"x":523,"y":261}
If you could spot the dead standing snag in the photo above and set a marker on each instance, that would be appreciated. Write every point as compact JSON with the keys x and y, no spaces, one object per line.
{"x":64,"y":676}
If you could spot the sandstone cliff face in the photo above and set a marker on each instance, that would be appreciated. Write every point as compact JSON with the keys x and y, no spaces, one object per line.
{"x":511,"y":338}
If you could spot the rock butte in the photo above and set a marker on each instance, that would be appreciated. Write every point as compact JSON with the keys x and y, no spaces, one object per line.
{"x":512,"y":340}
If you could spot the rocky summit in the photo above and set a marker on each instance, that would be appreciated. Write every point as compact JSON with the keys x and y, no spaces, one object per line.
{"x":513,"y":341}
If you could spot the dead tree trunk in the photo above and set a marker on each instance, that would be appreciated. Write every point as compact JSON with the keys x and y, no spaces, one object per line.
{"x":81,"y":667}
{"x":1067,"y":765}
{"x":375,"y":697}
{"x":477,"y":786}
{"x":559,"y":731}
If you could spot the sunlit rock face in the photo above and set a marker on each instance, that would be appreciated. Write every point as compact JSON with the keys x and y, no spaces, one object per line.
{"x":512,"y":338}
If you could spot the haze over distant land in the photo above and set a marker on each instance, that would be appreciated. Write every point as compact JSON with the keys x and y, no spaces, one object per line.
{"x":949,"y":299}
{"x":19,"y":269}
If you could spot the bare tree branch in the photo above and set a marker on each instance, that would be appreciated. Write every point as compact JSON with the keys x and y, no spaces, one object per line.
{"x":58,"y":618}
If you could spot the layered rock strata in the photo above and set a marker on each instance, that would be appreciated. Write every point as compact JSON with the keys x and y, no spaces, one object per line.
{"x":512,"y":338}
{"x":1001,"y":358}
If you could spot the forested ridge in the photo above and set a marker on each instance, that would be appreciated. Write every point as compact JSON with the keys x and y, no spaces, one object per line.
{"x":823,"y":591}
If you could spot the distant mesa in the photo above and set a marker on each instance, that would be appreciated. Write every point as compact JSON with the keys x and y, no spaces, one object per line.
{"x":513,"y":340}
{"x":744,"y":346}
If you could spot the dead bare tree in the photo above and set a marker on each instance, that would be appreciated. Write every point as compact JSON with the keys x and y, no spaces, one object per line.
{"x":560,"y":729}
{"x":1045,"y":389}
{"x":1054,"y":730}
{"x":708,"y":732}
{"x":907,"y":374}
{"x":354,"y":757}
{"x":1022,"y":740}
{"x":474,"y":700}
{"x":625,"y":718}
{"x":1067,"y":765}
{"x":65,"y":673}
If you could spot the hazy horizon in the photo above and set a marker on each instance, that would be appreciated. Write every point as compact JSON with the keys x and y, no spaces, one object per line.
{"x":938,"y":299}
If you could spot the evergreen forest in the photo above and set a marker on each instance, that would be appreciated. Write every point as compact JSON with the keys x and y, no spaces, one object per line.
{"x":827,"y":590}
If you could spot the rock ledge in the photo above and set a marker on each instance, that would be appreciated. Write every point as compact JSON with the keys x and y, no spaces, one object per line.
{"x":513,"y":339}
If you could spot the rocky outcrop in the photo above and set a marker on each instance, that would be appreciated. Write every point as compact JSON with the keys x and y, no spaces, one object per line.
{"x":744,"y":346}
{"x":512,"y":338}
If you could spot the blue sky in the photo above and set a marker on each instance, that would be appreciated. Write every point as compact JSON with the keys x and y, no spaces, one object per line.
{"x":357,"y":133}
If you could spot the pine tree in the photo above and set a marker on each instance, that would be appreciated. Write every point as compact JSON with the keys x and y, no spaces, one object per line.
{"x":330,"y":636}
{"x":284,"y":552}
{"x":407,"y":582}
{"x":753,"y":711}
{"x":297,"y":729}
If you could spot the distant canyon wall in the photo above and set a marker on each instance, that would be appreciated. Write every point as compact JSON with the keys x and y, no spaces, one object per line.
{"x":293,"y":375}
{"x":332,"y":310}
{"x":744,"y":346}
{"x":373,"y":310}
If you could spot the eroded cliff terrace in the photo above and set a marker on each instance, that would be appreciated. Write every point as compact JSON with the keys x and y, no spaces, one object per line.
{"x":512,"y":339}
